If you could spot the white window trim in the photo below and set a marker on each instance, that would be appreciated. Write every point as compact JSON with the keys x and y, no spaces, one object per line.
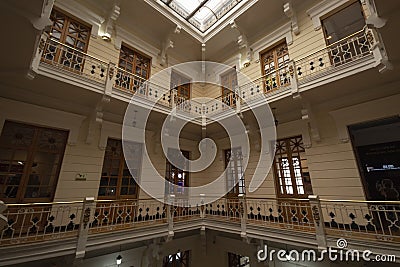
{"x":283,"y":32}
{"x":82,"y":13}
{"x":41,"y":116}
{"x":323,"y":8}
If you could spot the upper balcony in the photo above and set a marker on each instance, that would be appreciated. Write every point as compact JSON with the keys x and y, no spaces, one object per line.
{"x":354,"y":53}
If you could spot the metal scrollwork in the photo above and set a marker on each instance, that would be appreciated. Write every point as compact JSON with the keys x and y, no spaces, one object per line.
{"x":86,"y":217}
{"x":316,"y":215}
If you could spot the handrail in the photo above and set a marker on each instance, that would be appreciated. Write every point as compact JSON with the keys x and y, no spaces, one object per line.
{"x":43,"y":203}
{"x":239,"y":198}
{"x":362,"y":201}
{"x":77,"y":50}
{"x":328,"y":46}
{"x":287,"y":65}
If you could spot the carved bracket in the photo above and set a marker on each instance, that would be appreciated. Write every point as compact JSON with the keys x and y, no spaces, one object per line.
{"x":308,"y":116}
{"x":96,"y":119}
{"x":290,"y":13}
{"x":107,"y":27}
{"x":243,"y":44}
{"x":167,"y":44}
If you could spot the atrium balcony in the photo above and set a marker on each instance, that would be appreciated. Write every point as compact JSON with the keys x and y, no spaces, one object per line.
{"x":348,"y":56}
{"x":90,"y":224}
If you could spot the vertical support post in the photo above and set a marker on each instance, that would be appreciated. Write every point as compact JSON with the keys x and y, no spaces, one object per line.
{"x":243,"y":215}
{"x":173,"y":98}
{"x":170,"y":216}
{"x":202,"y":207}
{"x":110,"y":79}
{"x":293,"y":76}
{"x":87,"y":212}
{"x":238,"y":99}
{"x":33,"y":70}
{"x":318,"y":221}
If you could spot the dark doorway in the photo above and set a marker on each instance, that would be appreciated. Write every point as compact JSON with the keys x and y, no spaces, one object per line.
{"x":377,"y":148}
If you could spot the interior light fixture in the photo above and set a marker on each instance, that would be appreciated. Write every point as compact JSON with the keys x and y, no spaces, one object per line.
{"x":329,"y":37}
{"x":20,"y":163}
{"x":119,"y":259}
{"x":106,"y":36}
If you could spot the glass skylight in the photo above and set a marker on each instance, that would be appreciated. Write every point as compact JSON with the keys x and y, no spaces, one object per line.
{"x":202,"y":14}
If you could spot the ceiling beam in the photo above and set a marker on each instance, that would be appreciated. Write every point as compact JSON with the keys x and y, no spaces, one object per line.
{"x":197,"y":9}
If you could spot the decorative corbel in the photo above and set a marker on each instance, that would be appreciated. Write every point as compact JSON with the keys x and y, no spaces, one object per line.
{"x":308,"y":116}
{"x":96,"y":118}
{"x":373,"y":17}
{"x":291,"y":13}
{"x":167,"y":44}
{"x":378,"y":50}
{"x":107,"y":27}
{"x":243,"y":44}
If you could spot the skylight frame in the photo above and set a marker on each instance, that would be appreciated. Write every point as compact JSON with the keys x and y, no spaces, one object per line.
{"x":217,"y":9}
{"x":202,"y":37}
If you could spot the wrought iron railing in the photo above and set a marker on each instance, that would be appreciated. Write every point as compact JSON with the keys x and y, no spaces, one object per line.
{"x":359,"y":220}
{"x":284,"y":213}
{"x":348,"y":49}
{"x":112,"y":215}
{"x":337,"y":55}
{"x":363,"y":219}
{"x":72,"y":60}
{"x":40,"y":221}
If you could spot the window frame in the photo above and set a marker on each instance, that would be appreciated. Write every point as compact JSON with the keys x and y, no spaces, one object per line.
{"x":334,"y":12}
{"x":230,"y":93}
{"x":304,"y":172}
{"x":273,"y":49}
{"x":240,"y":185}
{"x":184,"y":84}
{"x":120,"y":177}
{"x":169,"y":169}
{"x":73,"y":56}
{"x":121,"y":69}
{"x":29,"y":162}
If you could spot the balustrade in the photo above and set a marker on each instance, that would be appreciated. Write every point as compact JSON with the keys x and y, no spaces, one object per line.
{"x":359,"y":220}
{"x":293,"y":74}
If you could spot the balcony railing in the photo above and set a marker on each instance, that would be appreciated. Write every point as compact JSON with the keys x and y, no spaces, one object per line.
{"x":292,"y":74}
{"x":358,"y":220}
{"x":346,"y":50}
{"x":72,"y":60}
